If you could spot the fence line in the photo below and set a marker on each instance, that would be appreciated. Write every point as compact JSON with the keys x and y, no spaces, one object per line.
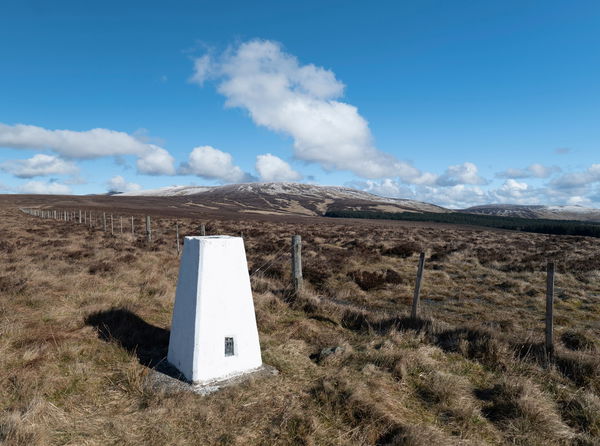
{"x":87,"y":218}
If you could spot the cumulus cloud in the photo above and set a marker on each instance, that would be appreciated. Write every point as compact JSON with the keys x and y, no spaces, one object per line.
{"x":90,"y":144}
{"x":44,"y":188}
{"x":465,"y":173}
{"x":213,"y":164}
{"x":273,"y":168}
{"x":532,"y":171}
{"x":456,"y":197}
{"x":576,"y":180}
{"x":118,"y":184}
{"x":516,"y":192}
{"x":39,"y":165}
{"x":385,"y":188}
{"x":462,"y":196}
{"x":156,"y":161}
{"x":301,"y":101}
{"x":577,"y":200}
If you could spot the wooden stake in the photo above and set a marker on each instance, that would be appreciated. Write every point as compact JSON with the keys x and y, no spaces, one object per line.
{"x":297,"y":263}
{"x":415,"y":304}
{"x":148,"y":229}
{"x":202,"y":229}
{"x":550,"y":270}
{"x":132,"y":228}
{"x":104,"y":220}
{"x":121,"y":223}
{"x":177,"y":232}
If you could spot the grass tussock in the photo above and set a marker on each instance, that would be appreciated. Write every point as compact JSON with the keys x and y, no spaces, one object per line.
{"x":524,"y":413}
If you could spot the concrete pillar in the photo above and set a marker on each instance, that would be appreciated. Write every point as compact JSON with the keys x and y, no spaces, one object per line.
{"x":213,"y":332}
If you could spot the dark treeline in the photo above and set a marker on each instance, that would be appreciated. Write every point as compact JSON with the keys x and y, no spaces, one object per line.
{"x":542,"y":226}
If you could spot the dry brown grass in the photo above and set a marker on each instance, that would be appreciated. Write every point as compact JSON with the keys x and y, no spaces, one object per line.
{"x":84,"y":315}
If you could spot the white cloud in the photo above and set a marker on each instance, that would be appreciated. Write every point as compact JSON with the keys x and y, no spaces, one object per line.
{"x":532,"y":171}
{"x":540,"y":171}
{"x":211,"y":163}
{"x":119,"y":184}
{"x":156,"y":161}
{"x":516,"y":192}
{"x":89,"y":144}
{"x":39,"y":165}
{"x":273,"y":168}
{"x":578,"y":179}
{"x":45,"y":188}
{"x":457,"y":196}
{"x":465,"y":173}
{"x":202,"y":70}
{"x":579,"y":201}
{"x":462,"y":196}
{"x":300,"y":100}
{"x":385,"y":188}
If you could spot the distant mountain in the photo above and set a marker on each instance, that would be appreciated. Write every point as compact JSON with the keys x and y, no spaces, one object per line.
{"x":313,"y":200}
{"x":285,"y":199}
{"x":537,"y":211}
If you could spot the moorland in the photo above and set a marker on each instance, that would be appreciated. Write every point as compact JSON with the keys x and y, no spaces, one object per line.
{"x":85,"y":315}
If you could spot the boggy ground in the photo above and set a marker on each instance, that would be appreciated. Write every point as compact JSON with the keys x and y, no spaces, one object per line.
{"x":84,"y":315}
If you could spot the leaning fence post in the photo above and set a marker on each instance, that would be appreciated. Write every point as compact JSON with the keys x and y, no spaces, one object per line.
{"x":148,"y":229}
{"x":550,"y":269}
{"x":297,"y":263}
{"x":415,"y":304}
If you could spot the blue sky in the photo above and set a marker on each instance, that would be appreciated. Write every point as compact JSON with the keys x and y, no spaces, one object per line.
{"x":456,"y":103}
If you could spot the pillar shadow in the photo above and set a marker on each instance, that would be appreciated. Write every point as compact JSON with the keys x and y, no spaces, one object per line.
{"x":148,"y":342}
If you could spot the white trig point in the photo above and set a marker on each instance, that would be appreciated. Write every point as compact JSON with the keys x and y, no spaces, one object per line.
{"x":213,"y":333}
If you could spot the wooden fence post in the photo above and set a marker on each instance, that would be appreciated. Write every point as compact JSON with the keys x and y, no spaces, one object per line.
{"x":112,"y":225}
{"x":202,"y":229}
{"x":550,"y":270}
{"x":177,"y":235}
{"x":148,"y":229}
{"x":104,"y":220}
{"x":297,"y":263}
{"x":121,"y":223}
{"x":80,"y":217}
{"x":132,"y":228}
{"x":415,"y":304}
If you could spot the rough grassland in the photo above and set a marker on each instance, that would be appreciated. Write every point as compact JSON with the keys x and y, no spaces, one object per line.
{"x":83,"y":315}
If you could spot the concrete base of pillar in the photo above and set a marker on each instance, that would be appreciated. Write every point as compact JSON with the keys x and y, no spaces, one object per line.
{"x":172,"y":382}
